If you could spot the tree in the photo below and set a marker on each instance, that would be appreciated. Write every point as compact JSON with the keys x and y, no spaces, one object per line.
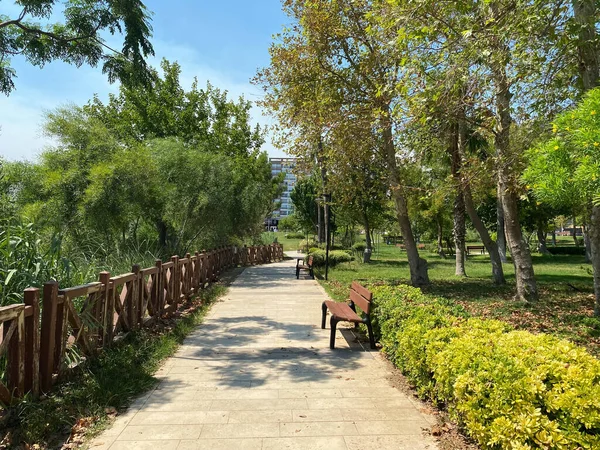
{"x":78,"y":40}
{"x":329,"y":70}
{"x":304,"y":197}
{"x":565,"y":170}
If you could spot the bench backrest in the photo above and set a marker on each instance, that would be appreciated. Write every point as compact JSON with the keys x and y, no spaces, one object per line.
{"x":361,"y":297}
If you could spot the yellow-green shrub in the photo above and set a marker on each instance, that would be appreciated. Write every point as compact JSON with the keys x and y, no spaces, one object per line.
{"x":509,"y":389}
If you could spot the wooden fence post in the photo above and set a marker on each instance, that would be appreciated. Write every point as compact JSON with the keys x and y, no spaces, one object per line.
{"x":108,"y":313}
{"x":14,"y":337}
{"x":134,"y":299}
{"x":160,"y":289}
{"x":197,"y":267}
{"x":48,"y":333}
{"x":176,"y":280}
{"x":32,"y":342}
{"x":187,"y":281}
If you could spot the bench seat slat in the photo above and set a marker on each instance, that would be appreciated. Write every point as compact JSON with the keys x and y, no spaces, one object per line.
{"x":343,"y":312}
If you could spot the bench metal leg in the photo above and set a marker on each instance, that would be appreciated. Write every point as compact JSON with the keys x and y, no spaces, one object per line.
{"x":333,"y":323}
{"x":297,"y":273}
{"x":324,"y":308}
{"x":371,"y":337}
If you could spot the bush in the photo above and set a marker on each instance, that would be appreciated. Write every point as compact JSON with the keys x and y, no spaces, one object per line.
{"x":359,"y":247}
{"x":509,"y":389}
{"x":295,"y":236}
{"x":335,"y":257}
{"x":304,"y":246}
{"x":567,"y":250}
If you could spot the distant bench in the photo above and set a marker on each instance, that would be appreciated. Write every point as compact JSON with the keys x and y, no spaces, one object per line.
{"x":480,"y":248}
{"x":346,"y":312}
{"x":302,"y":266}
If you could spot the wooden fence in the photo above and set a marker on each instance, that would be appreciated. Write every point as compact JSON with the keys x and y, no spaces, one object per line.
{"x":36,"y":351}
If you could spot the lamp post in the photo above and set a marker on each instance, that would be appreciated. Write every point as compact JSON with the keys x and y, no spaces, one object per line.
{"x":327,"y":201}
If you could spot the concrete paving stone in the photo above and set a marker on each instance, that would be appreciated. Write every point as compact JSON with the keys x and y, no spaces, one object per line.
{"x":305,"y":443}
{"x":381,"y":427}
{"x":292,"y":429}
{"x":259,"y":405}
{"x":222,"y":444}
{"x":310,"y":393}
{"x":339,"y":403}
{"x":145,"y":445}
{"x":389,"y":443}
{"x":240,"y":430}
{"x":179,"y":417}
{"x":317,"y":415}
{"x":360,"y":414}
{"x":195,"y":405}
{"x":373,"y":392}
{"x":264,"y":416}
{"x":159,"y":432}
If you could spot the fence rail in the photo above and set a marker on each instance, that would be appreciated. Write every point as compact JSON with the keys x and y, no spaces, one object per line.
{"x":36,"y":350}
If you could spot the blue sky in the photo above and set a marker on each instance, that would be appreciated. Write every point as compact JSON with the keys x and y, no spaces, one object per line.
{"x":222,"y":42}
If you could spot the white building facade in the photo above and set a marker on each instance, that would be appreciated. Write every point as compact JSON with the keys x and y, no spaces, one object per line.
{"x":283,"y":165}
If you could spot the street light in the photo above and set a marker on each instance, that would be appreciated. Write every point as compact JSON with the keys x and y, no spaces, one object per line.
{"x":327,"y":201}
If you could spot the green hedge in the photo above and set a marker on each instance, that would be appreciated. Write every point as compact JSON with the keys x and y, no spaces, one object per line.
{"x":335,"y":257}
{"x":567,"y":250}
{"x":509,"y":389}
{"x":359,"y":247}
{"x":295,"y":235}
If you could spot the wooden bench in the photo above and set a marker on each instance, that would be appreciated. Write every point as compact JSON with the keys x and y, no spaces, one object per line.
{"x":346,"y":312}
{"x":308,"y":267}
{"x":481,"y":248}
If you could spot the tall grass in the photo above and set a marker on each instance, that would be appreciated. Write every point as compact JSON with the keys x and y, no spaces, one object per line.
{"x":29,"y":260}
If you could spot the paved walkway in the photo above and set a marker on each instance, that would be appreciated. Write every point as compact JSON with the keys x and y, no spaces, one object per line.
{"x":259,"y":374}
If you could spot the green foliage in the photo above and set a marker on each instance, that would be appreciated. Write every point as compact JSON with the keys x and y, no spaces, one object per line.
{"x":335,"y":257}
{"x":359,"y":247}
{"x":565,"y":170}
{"x":295,"y":235}
{"x":567,"y":250}
{"x":304,"y":198}
{"x":304,"y":246}
{"x":80,"y":39}
{"x":289,"y":223}
{"x":509,"y":389}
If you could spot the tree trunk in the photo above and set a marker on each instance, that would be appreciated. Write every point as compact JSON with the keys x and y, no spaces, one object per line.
{"x":519,"y":250}
{"x":554,"y":236}
{"x":589,"y":70}
{"x":440,"y":238}
{"x":574,"y":233}
{"x":460,"y":231}
{"x":501,"y":234}
{"x":541,"y":235}
{"x":162,"y":234}
{"x":369,"y":244}
{"x":584,"y":12}
{"x":488,"y":242}
{"x":594,"y":235}
{"x":587,"y":243}
{"x":418,"y":266}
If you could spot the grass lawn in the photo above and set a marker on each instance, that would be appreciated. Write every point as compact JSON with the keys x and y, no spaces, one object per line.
{"x":288,"y":244}
{"x":565,"y":283}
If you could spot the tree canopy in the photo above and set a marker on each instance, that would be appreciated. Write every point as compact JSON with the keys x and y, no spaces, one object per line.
{"x":79,"y":39}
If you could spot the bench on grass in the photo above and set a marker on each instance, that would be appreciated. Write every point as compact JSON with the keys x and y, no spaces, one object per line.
{"x":302,"y":266}
{"x":346,"y":312}
{"x":480,"y":248}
